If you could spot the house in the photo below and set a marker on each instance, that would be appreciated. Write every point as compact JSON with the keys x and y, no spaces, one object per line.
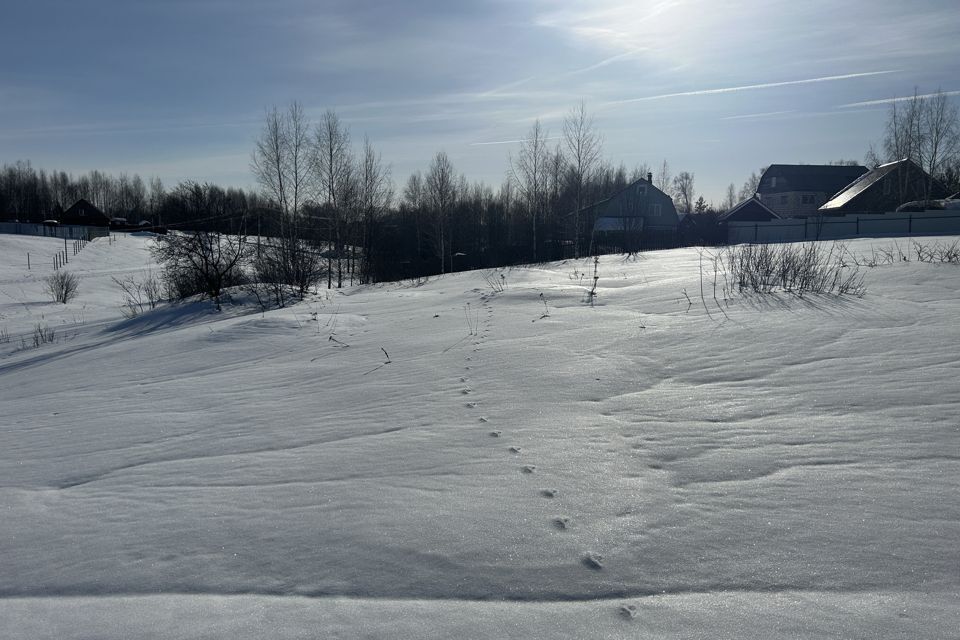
{"x":884,"y":189}
{"x":84,"y":213}
{"x":638,"y":216}
{"x":750,"y":210}
{"x":798,"y":190}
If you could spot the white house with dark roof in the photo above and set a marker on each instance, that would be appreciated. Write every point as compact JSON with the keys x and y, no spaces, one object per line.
{"x":798,"y":190}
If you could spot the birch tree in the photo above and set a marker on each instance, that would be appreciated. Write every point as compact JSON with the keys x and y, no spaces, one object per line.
{"x":583,"y":150}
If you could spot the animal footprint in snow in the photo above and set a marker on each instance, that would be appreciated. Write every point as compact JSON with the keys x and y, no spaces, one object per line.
{"x":462,"y":379}
{"x":561,"y":522}
{"x":471,"y":405}
{"x":515,"y":449}
{"x":529,"y":468}
{"x":465,"y":391}
{"x":483,"y":419}
{"x":549,"y":493}
{"x":495,"y":434}
{"x":593,"y":561}
{"x":629,"y":611}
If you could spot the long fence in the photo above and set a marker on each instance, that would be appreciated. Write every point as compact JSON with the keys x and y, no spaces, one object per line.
{"x":925,"y":223}
{"x":70,"y":232}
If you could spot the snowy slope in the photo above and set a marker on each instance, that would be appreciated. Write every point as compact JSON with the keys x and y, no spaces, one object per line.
{"x":526,"y":464}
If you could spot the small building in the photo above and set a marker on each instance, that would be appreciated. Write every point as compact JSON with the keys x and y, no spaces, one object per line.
{"x":750,"y":210}
{"x":639,"y":216}
{"x":798,"y":190}
{"x":84,"y":213}
{"x":884,"y":189}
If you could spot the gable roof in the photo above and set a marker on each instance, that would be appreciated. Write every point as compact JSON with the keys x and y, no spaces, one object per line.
{"x":866,"y":181}
{"x":622,"y":190}
{"x":819,"y":178}
{"x":754,"y":201}
{"x":85,"y":206}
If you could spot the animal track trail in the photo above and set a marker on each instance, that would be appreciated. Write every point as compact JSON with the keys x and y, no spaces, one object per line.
{"x":629,"y":611}
{"x":592,"y":561}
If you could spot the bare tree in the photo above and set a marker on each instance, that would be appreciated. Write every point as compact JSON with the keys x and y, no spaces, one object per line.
{"x":374,"y":194}
{"x":529,"y":171}
{"x":926,"y":130}
{"x":730,"y":201}
{"x":664,"y":180}
{"x":415,"y":198}
{"x":282,"y":158}
{"x":334,"y":168}
{"x":584,"y":147}
{"x":556,"y":173}
{"x":640,"y":171}
{"x":155,"y":200}
{"x":683,"y":191}
{"x":202,"y":262}
{"x":940,"y":125}
{"x":283,"y":163}
{"x":441,"y":193}
{"x":903,"y":138}
{"x":751,"y":185}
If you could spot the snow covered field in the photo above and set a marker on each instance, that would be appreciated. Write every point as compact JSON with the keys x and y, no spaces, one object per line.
{"x":525,"y":465}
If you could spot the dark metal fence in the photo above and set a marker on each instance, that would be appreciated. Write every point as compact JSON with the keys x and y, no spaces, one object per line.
{"x":70,"y":232}
{"x":925,"y":223}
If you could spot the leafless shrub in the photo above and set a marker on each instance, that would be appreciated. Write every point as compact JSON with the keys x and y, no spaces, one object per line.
{"x":945,"y":253}
{"x":4,"y":336}
{"x":592,"y":293}
{"x":62,"y":286}
{"x":793,"y":268}
{"x":932,"y":253}
{"x":42,"y":334}
{"x":139,"y":295}
{"x":496,"y":280}
{"x":288,"y":266}
{"x":200,"y":262}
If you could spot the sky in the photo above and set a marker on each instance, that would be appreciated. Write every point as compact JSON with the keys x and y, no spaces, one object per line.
{"x":179,"y":88}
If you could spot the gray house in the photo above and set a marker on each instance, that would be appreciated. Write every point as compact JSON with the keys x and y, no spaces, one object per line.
{"x":885,"y":188}
{"x":639,"y":216}
{"x":798,"y":190}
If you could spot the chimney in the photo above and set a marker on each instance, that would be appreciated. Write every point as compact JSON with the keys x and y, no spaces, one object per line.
{"x":649,"y":177}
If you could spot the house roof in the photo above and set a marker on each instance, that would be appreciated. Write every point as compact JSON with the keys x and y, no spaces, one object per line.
{"x":819,"y":178}
{"x":618,"y":192}
{"x":748,"y":201}
{"x":864,"y":182}
{"x":85,"y":205}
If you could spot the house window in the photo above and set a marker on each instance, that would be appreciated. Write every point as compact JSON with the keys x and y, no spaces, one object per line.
{"x":641,"y":190}
{"x":783,"y":199}
{"x":773,"y":182}
{"x":655,"y":210}
{"x":807,"y":199}
{"x":886,"y":187}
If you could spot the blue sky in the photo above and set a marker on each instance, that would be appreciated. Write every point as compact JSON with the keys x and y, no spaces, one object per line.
{"x":178,"y":88}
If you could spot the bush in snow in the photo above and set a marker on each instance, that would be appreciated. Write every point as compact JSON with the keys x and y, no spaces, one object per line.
{"x":201,"y":262}
{"x":794,"y":268}
{"x":62,"y":286}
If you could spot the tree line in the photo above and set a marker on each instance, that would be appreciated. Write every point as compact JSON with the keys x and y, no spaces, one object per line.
{"x":28,"y":194}
{"x":327,"y":209}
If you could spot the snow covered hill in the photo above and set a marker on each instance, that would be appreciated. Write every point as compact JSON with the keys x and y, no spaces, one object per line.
{"x":443,"y":459}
